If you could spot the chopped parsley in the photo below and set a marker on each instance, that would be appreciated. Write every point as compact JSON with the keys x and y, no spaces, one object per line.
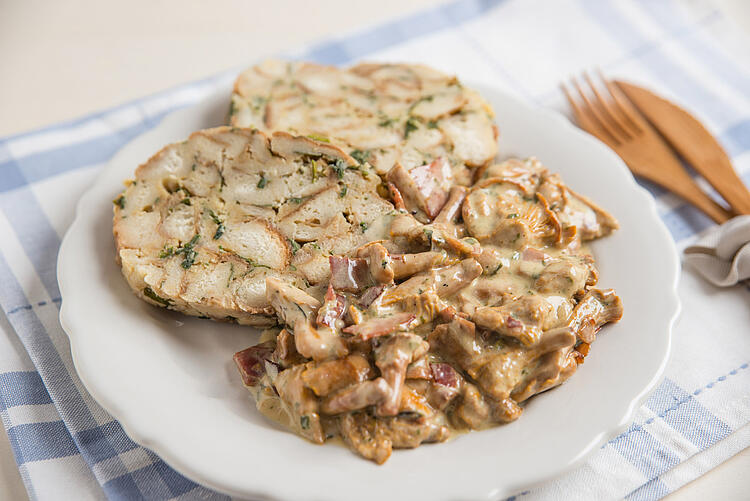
{"x":343,"y":191}
{"x":189,"y":253}
{"x":296,"y":200}
{"x":410,"y":126}
{"x":149,"y":293}
{"x":294,"y":245}
{"x":304,"y":422}
{"x":386,"y":122}
{"x":423,"y":98}
{"x":119,"y":201}
{"x":258,"y":101}
{"x":432,"y":124}
{"x":166,"y":252}
{"x":360,"y":156}
{"x":185,"y":201}
{"x":186,"y":250}
{"x":511,"y":216}
{"x":497,"y":268}
{"x":223,"y":182}
{"x":339,"y":167}
{"x":220,"y":228}
{"x":316,"y":137}
{"x":263,"y":181}
{"x":363,"y":225}
{"x":249,"y":261}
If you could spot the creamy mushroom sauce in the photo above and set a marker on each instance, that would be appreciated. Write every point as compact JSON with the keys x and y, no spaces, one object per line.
{"x":481,"y":298}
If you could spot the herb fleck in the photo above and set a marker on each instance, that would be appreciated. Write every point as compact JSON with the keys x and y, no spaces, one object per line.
{"x":432,"y":124}
{"x":363,"y":225}
{"x":410,"y":126}
{"x":511,"y":216}
{"x":249,"y":261}
{"x":343,"y":191}
{"x":304,"y":422}
{"x":316,"y":137}
{"x":386,"y":122}
{"x":360,"y":156}
{"x":263,"y":181}
{"x":339,"y":167}
{"x":189,"y":253}
{"x":258,"y":101}
{"x":149,"y":293}
{"x":220,"y":228}
{"x":167,"y":252}
{"x":294,"y":245}
{"x":119,"y":201}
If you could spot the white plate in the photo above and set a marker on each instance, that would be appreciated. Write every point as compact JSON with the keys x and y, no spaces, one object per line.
{"x":171,"y":382}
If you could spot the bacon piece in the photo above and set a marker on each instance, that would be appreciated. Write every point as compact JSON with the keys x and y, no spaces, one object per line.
{"x":349,"y":274}
{"x":332,"y":310}
{"x":422,"y":187}
{"x":251,"y":362}
{"x":380,"y":326}
{"x":445,"y":374}
{"x":370,"y":295}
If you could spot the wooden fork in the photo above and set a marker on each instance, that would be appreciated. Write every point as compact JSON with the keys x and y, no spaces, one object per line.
{"x":609,"y":116}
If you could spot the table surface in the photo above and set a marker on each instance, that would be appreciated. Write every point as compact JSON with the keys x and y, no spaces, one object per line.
{"x":83,"y":56}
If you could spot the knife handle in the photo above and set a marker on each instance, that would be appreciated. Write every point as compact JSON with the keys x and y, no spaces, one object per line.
{"x":690,"y":138}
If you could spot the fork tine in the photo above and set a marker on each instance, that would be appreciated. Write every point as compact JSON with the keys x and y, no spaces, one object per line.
{"x":606,"y":108}
{"x":623,"y":105}
{"x":594,"y":112}
{"x":583,"y":119}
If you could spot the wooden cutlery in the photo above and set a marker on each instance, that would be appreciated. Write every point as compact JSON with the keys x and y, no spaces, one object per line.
{"x":648,"y":132}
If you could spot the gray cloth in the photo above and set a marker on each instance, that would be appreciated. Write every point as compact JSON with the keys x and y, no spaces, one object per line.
{"x":722,"y":256}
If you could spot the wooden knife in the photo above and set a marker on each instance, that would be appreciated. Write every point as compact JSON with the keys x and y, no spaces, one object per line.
{"x":693,"y":142}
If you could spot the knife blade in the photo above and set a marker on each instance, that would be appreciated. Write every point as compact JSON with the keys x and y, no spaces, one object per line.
{"x":693,"y":142}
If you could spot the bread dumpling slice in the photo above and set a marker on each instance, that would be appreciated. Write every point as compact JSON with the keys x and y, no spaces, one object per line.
{"x":206,"y":221}
{"x":384,"y":114}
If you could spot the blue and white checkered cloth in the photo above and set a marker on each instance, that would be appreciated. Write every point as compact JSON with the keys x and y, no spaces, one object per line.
{"x":67,"y":447}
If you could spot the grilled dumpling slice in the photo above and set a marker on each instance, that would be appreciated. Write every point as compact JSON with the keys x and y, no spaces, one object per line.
{"x":206,"y":221}
{"x":380,"y":113}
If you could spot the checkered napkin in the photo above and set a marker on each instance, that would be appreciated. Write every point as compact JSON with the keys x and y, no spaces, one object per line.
{"x":67,"y":447}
